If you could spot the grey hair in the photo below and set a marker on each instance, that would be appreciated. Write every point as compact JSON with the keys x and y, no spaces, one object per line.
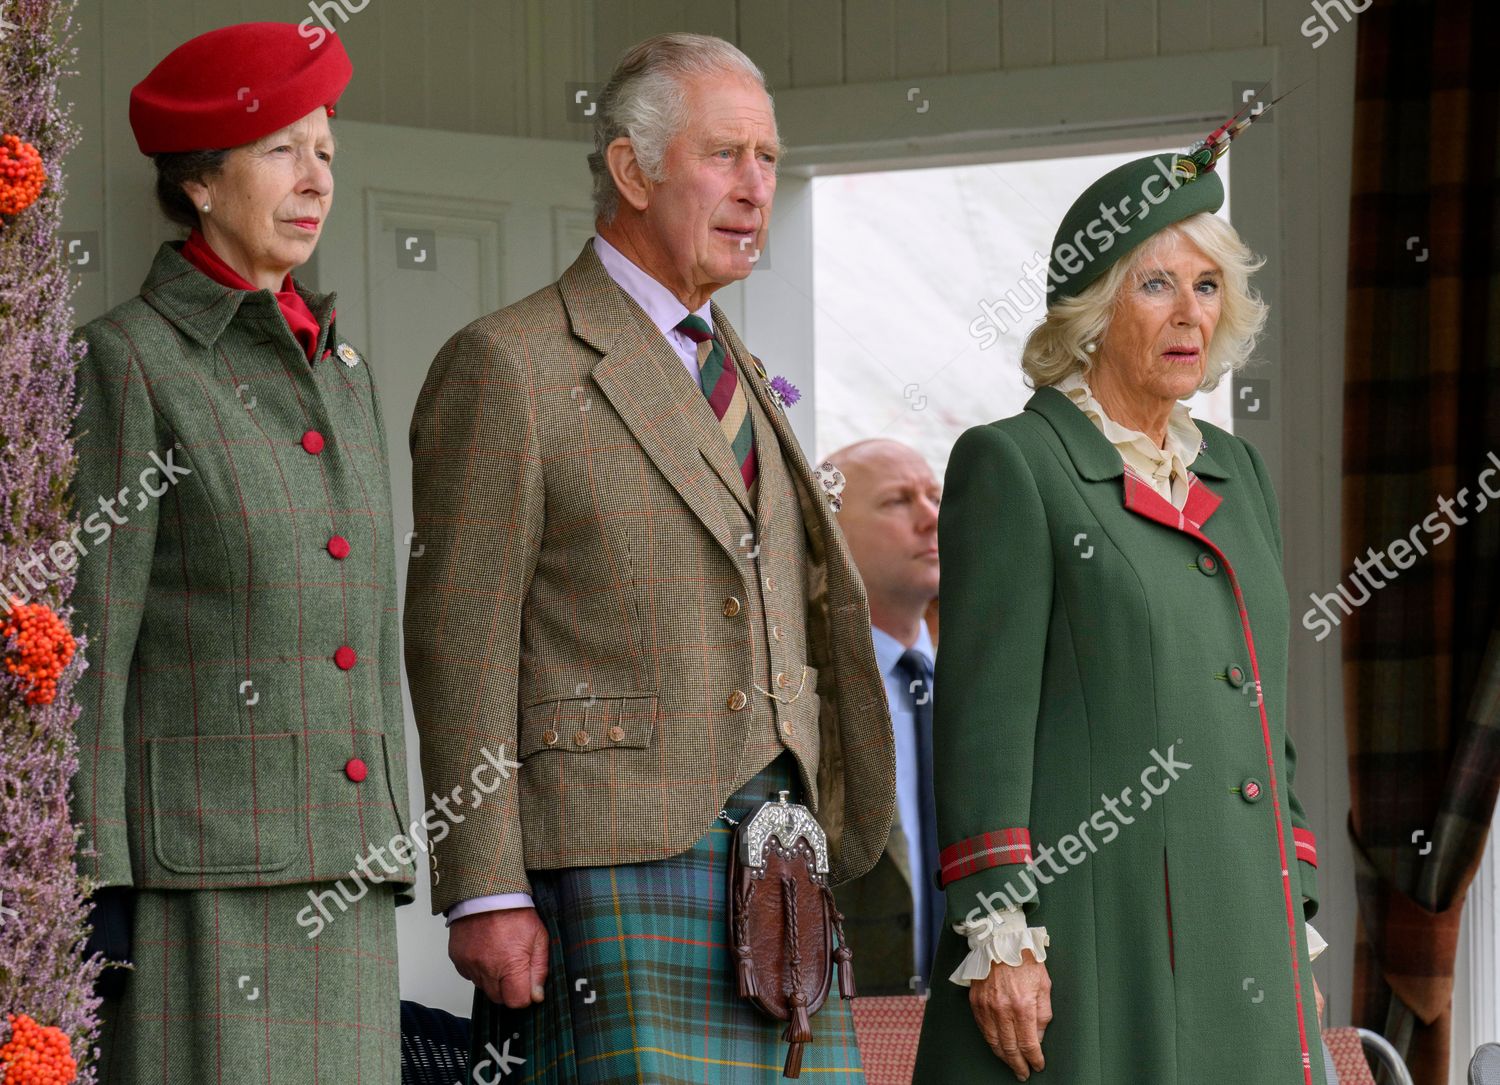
{"x":1059,"y":345}
{"x":645,"y":101}
{"x":175,"y":168}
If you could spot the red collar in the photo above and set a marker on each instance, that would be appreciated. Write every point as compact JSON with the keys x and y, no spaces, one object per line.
{"x":299,"y":317}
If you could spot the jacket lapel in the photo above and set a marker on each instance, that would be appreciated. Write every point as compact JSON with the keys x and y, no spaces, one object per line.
{"x":650,"y":390}
{"x":1142,"y":499}
{"x":1097,"y":460}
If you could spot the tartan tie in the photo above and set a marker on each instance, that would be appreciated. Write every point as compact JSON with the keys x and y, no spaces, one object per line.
{"x":716,"y":377}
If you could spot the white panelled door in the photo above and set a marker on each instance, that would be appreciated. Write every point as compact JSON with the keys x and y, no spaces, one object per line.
{"x":430,"y":230}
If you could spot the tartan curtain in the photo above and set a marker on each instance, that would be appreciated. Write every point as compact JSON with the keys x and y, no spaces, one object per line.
{"x":1422,"y":423}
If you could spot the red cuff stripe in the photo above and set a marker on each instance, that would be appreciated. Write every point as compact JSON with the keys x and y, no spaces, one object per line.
{"x":995,"y":848}
{"x":1307,"y":846}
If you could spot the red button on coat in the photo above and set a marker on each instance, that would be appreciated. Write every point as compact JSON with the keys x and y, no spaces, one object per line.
{"x":355,"y":769}
{"x":338,"y":546}
{"x":345,"y":657}
{"x":312,"y":442}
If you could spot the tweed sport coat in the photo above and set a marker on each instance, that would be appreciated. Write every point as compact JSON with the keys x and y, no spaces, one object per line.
{"x":577,"y":563}
{"x":241,"y":712}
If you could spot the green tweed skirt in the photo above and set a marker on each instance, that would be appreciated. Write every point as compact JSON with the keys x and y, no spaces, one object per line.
{"x":227,"y":987}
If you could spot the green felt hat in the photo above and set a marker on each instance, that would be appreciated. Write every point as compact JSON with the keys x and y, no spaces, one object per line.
{"x":1133,"y":203}
{"x":1117,"y":213}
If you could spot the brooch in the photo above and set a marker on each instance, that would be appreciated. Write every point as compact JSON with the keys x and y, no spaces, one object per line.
{"x":348,"y":355}
{"x":832,"y":481}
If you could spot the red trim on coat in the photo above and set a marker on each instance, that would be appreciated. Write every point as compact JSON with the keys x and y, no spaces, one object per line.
{"x":1143,"y":500}
{"x":1307,"y":846}
{"x":998,"y":847}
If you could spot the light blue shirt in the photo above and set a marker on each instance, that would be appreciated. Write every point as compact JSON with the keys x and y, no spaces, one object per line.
{"x":888,"y":653}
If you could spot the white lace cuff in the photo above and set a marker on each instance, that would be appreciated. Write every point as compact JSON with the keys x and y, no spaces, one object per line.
{"x":1315,"y":943}
{"x":997,"y":937}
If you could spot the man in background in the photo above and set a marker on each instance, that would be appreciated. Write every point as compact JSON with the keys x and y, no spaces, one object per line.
{"x":889,"y":518}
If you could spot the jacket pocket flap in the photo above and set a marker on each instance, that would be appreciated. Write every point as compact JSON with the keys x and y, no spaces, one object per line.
{"x":224,"y":804}
{"x":587,"y":724}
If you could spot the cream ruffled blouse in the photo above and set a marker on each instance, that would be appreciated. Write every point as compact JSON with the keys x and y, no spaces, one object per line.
{"x":1166,"y":469}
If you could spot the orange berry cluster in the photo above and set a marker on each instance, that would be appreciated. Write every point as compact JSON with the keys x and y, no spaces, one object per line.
{"x":22,"y":175}
{"x":44,"y":647}
{"x":36,"y":1055}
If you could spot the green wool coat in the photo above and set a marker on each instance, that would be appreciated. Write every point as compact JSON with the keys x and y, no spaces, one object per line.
{"x":241,"y":739}
{"x":241,"y":716}
{"x":1096,"y":711}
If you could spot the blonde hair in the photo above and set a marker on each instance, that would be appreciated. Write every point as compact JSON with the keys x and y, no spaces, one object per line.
{"x":1058,"y":345}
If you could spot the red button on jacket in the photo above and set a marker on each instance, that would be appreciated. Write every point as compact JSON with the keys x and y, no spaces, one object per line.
{"x":355,"y":769}
{"x":312,"y":442}
{"x":345,"y":657}
{"x":338,"y":546}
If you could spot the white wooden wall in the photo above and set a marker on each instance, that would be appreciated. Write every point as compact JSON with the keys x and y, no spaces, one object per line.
{"x":504,"y":67}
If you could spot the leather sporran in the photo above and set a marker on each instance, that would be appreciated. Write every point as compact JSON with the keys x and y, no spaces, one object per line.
{"x":786,"y":933}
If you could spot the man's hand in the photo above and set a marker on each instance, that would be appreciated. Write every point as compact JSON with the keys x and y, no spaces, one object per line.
{"x":503,"y":953}
{"x":1012,"y":1007}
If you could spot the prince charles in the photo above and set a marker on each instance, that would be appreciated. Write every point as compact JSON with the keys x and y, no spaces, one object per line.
{"x":633,"y":583}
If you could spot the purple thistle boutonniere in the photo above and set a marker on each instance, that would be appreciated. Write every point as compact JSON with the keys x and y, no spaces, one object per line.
{"x":784,"y":392}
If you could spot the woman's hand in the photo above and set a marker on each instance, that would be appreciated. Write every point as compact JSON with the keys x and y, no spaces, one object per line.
{"x":1012,"y":1007}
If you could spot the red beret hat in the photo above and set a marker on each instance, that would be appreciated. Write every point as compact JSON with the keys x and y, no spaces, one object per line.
{"x":232,"y":86}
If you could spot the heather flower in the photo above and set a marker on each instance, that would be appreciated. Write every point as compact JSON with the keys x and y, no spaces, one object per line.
{"x":42,"y":974}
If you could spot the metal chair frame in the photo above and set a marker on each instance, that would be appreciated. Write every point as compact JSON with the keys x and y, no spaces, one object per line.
{"x":1486,"y":1050}
{"x":1388,"y":1056}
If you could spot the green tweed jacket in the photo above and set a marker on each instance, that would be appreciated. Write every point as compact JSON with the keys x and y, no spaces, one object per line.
{"x":242,"y":721}
{"x":579,"y":564}
{"x":1110,"y":705}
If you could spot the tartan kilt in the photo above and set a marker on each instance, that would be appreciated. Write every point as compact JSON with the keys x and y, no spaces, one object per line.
{"x":308,"y":1010}
{"x":641,"y":984}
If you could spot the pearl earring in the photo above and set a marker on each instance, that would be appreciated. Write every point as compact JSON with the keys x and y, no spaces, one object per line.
{"x":205,"y":208}
{"x":1090,"y":347}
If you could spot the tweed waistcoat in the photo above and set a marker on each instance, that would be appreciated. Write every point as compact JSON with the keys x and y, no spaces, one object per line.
{"x":774,"y":545}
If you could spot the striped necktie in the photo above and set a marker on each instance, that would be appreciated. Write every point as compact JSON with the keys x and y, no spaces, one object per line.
{"x":717,"y":379}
